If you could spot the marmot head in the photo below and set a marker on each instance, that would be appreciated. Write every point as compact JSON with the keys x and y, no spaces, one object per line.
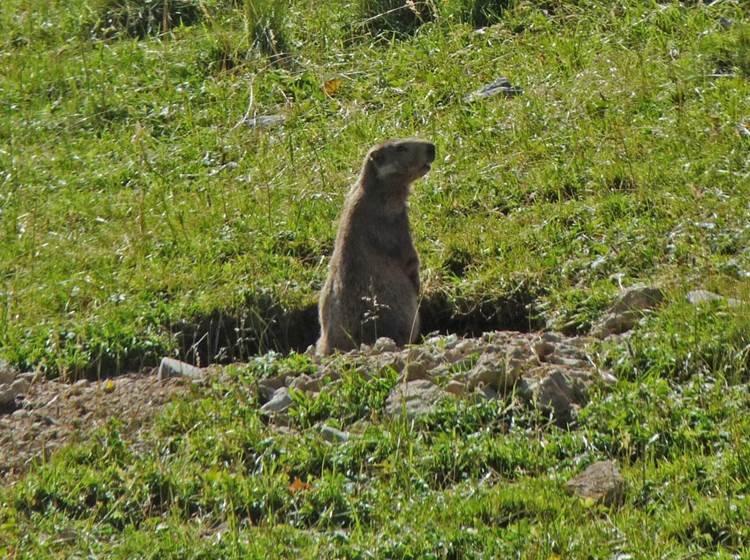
{"x":400,"y":161}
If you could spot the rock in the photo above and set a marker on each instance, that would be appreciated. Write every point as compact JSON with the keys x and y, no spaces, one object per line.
{"x":264,"y":121}
{"x":500,"y":86}
{"x":698,"y":297}
{"x":12,"y":394}
{"x":414,"y":398}
{"x":413,"y":371}
{"x":7,"y":399}
{"x":268,"y":386}
{"x":542,"y":349}
{"x":551,"y":336}
{"x":392,"y":360}
{"x":607,"y":377}
{"x":8,"y":373}
{"x":384,"y":344}
{"x":485,"y":392}
{"x":600,"y":482}
{"x":490,"y":370}
{"x":559,"y":389}
{"x":280,"y":401}
{"x":638,"y":298}
{"x":20,"y":386}
{"x":615,"y":323}
{"x":333,"y":435}
{"x":624,"y":314}
{"x":518,"y":360}
{"x":169,"y":367}
{"x":422,"y":356}
{"x":465,"y":348}
{"x":456,"y":388}
{"x":568,"y":362}
{"x":305,"y":383}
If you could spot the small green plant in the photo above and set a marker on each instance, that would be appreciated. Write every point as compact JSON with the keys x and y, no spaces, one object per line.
{"x":141,"y":18}
{"x":729,"y":51}
{"x":265,"y":26}
{"x":394,"y":17}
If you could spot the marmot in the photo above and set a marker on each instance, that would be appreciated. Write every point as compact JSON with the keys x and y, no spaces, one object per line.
{"x":373,"y":279}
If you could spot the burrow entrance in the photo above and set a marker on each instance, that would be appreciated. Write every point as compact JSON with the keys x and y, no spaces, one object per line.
{"x":225,"y":338}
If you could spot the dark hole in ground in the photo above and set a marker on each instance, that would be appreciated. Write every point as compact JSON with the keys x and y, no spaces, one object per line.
{"x":223,"y":338}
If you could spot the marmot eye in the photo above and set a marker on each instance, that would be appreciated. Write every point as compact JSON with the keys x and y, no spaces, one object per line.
{"x":401,"y":148}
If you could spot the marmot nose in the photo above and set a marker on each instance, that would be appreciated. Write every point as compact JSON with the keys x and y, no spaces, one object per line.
{"x":431,"y":152}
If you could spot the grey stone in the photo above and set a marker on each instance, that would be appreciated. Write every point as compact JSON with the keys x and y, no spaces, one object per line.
{"x":490,"y":370}
{"x":517,"y":361}
{"x":551,"y":336}
{"x":20,"y":386}
{"x":414,"y":398}
{"x":31,"y":376}
{"x":638,"y":298}
{"x":8,"y":373}
{"x":384,"y":344}
{"x":267,"y":387}
{"x":615,"y":323}
{"x":568,"y":362}
{"x":12,"y":393}
{"x":626,"y":311}
{"x":413,"y":371}
{"x":561,"y":390}
{"x":7,"y":398}
{"x":542,"y":349}
{"x":264,"y":121}
{"x":485,"y":392}
{"x":466,"y":346}
{"x":169,"y":367}
{"x":333,"y":435}
{"x":600,"y":482}
{"x":500,"y":86}
{"x":305,"y":383}
{"x":280,"y":402}
{"x":456,"y":388}
{"x":698,"y":297}
{"x":421,"y":356}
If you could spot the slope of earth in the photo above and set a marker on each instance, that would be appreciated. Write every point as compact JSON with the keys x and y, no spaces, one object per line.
{"x":170,"y":175}
{"x":429,"y":452}
{"x":170,"y":180}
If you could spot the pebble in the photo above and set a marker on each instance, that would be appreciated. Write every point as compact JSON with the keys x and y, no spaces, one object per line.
{"x":280,"y":402}
{"x":169,"y":367}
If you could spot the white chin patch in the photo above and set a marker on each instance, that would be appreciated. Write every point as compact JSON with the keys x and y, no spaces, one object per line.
{"x":387,"y":170}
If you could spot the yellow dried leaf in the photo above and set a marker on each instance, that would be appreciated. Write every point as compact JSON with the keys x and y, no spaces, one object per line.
{"x":298,"y":485}
{"x":109,"y":386}
{"x":332,"y":86}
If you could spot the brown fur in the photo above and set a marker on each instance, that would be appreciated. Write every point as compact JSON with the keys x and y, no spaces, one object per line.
{"x":373,"y":280}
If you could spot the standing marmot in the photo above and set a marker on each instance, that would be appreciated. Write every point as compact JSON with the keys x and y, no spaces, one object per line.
{"x":373,"y":280}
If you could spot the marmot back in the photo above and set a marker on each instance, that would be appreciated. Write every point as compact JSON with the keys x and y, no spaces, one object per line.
{"x":373,"y":281}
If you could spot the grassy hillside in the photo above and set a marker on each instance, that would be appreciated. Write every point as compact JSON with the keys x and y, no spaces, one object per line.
{"x":141,"y":216}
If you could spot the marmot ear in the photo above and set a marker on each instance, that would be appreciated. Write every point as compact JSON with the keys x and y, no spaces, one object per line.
{"x":378,"y":158}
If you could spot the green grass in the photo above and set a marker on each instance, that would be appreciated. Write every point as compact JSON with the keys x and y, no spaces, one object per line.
{"x":214,"y":480}
{"x":137,"y":219}
{"x":132,"y":204}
